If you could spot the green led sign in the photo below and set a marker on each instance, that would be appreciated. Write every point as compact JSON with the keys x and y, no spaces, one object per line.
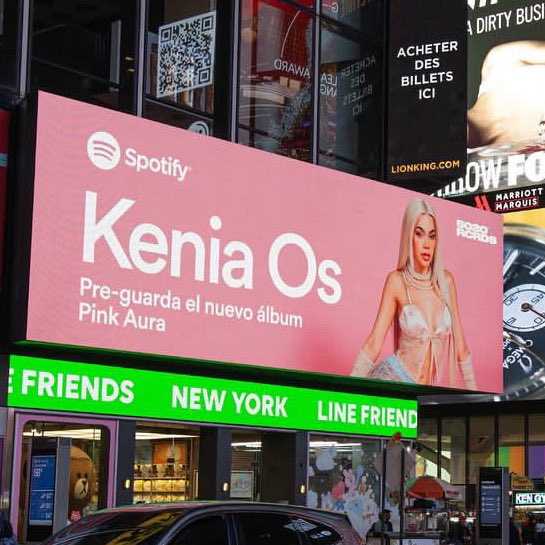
{"x":530,"y":498}
{"x":39,"y":383}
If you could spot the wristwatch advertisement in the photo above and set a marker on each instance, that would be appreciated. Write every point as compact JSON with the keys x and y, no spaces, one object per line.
{"x":524,"y":311}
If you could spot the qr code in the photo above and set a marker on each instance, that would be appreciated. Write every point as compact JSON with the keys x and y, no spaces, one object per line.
{"x":185,"y":58}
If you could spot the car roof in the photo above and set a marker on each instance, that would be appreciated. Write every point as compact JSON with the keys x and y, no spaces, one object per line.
{"x":204,"y":506}
{"x":193,"y":510}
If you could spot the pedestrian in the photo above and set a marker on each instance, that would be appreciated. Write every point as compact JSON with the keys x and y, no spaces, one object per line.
{"x":459,"y":533}
{"x":540,"y":531}
{"x":514,"y":534}
{"x":528,"y":533}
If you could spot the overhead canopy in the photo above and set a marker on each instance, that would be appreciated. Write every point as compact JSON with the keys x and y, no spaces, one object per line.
{"x":433,"y":488}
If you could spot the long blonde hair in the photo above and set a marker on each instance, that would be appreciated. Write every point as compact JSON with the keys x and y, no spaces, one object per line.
{"x":414,"y":210}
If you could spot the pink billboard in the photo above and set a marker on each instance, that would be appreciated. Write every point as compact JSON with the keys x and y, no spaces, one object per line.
{"x":151,"y":239}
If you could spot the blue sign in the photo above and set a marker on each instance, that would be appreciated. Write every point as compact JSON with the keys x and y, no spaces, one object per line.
{"x":42,"y":490}
{"x":490,"y":504}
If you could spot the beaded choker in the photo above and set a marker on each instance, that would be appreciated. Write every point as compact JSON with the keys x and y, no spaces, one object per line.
{"x":421,"y":281}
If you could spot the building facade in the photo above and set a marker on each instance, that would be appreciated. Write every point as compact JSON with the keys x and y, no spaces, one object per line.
{"x":301,"y":80}
{"x":291,"y":78}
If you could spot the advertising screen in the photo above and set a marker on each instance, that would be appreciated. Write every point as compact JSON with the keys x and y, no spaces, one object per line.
{"x":109,"y":390}
{"x":506,"y":116}
{"x":524,"y":304}
{"x":427,"y":82}
{"x":42,"y":490}
{"x":151,"y":239}
{"x":490,"y":504}
{"x":493,"y":504}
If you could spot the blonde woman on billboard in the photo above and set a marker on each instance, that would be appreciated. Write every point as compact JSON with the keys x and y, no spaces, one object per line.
{"x":419,"y":299}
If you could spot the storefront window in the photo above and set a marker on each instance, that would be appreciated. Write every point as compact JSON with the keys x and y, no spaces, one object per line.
{"x":481,"y":445}
{"x":453,"y":450}
{"x":349,"y":102}
{"x":85,"y":51}
{"x":9,"y":42}
{"x":165,"y":463}
{"x":246,"y":450}
{"x":511,"y":443}
{"x":275,"y":92}
{"x":536,"y":448}
{"x":342,"y":477}
{"x":427,"y":448}
{"x":181,"y":44}
{"x":87,"y":486}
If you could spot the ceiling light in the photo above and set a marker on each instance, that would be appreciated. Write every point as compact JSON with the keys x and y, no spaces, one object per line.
{"x":249,"y":444}
{"x":145,"y":435}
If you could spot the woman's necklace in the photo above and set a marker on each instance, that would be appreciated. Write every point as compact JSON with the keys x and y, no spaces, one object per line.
{"x":417,"y":280}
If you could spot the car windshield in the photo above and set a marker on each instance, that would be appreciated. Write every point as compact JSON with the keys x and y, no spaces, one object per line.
{"x":118,"y":528}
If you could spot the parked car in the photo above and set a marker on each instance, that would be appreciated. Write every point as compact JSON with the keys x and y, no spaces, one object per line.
{"x":209,"y":523}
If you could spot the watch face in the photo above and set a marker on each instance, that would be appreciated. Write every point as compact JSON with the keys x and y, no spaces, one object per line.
{"x":524,"y":312}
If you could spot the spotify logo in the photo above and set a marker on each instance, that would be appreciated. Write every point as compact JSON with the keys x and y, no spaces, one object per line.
{"x":103,"y":150}
{"x":105,"y":153}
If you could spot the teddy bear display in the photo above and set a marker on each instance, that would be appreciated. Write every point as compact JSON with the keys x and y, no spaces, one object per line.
{"x":81,"y":483}
{"x":82,"y":479}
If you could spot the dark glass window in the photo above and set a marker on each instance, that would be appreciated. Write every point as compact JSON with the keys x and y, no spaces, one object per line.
{"x":267,"y":529}
{"x":348,"y":12}
{"x":207,"y":531}
{"x":481,"y":445}
{"x":181,"y":45}
{"x":428,"y":447}
{"x":511,"y":443}
{"x":536,"y":447}
{"x":246,"y":465}
{"x":85,"y":50}
{"x":275,"y":91}
{"x":453,"y":450}
{"x":178,"y":117}
{"x":362,"y":15}
{"x":350,"y":114}
{"x":9,"y":41}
